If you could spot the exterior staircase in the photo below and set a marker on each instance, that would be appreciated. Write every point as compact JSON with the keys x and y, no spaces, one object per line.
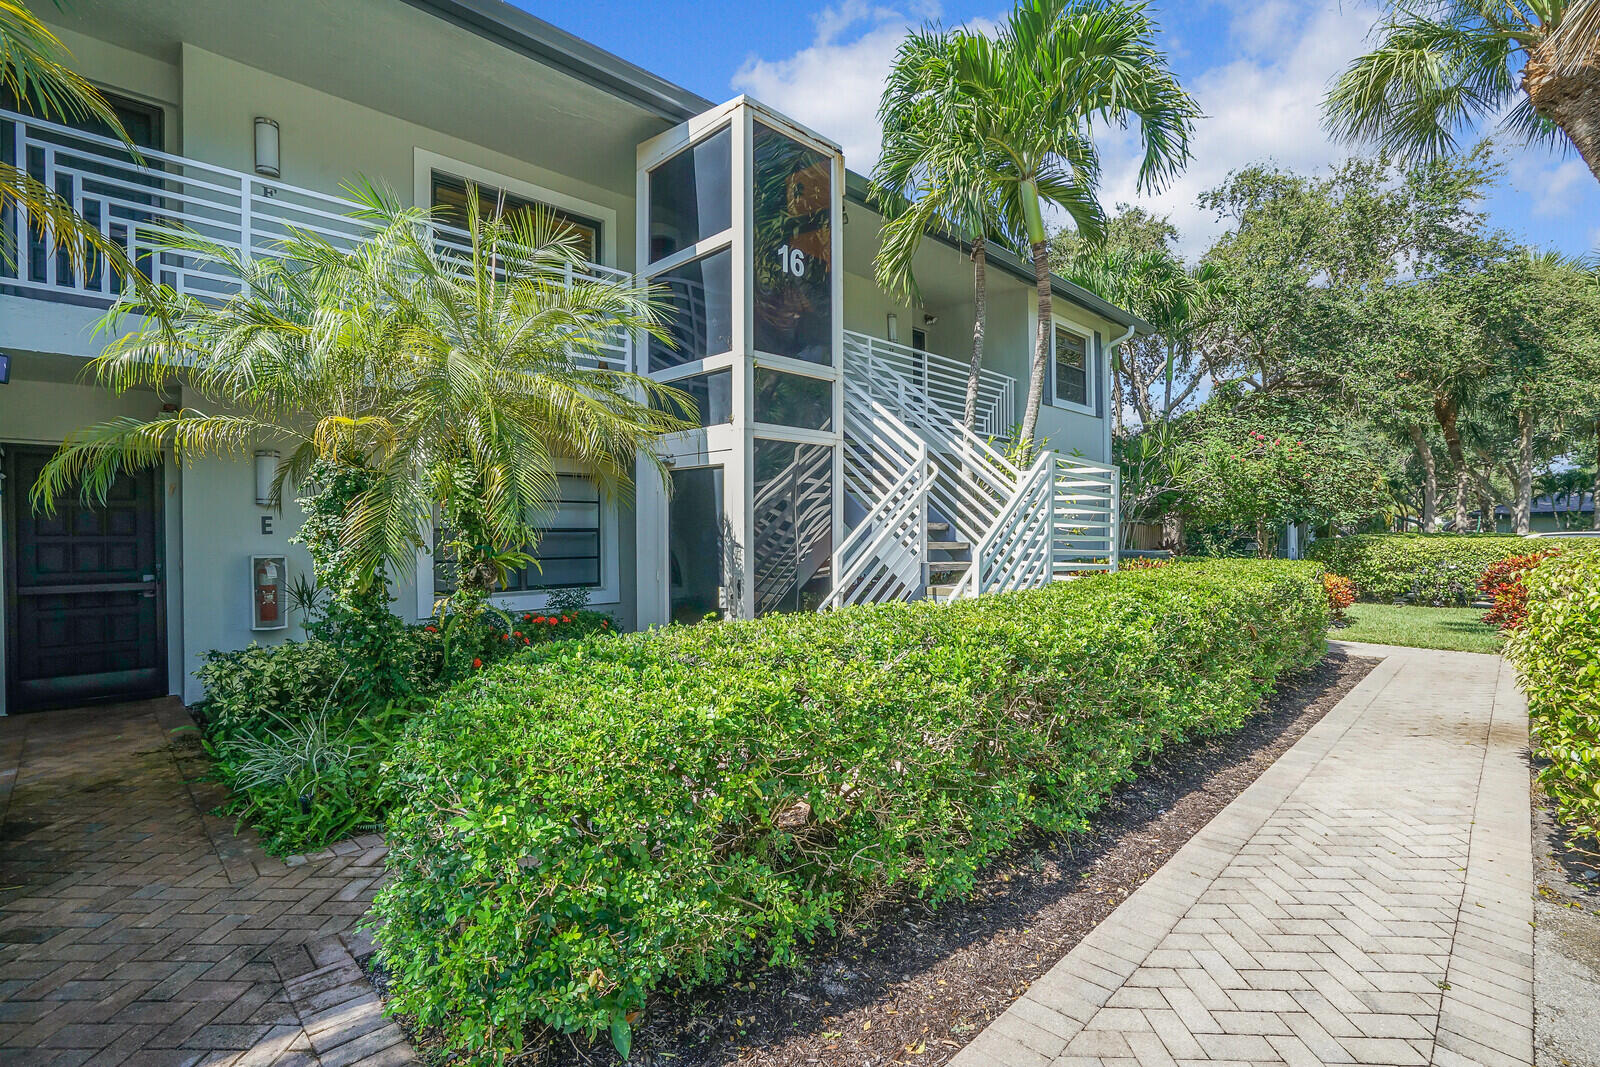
{"x":935,"y":511}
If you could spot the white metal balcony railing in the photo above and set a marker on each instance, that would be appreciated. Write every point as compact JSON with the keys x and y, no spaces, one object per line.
{"x":943,"y":381}
{"x":140,"y":205}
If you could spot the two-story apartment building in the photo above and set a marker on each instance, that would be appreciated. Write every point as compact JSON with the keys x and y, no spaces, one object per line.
{"x":831,"y":468}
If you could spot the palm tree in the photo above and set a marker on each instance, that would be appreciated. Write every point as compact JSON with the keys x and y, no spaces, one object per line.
{"x":454,"y":378}
{"x":1440,"y":66}
{"x":1032,"y":92}
{"x":930,"y":175}
{"x":33,"y":68}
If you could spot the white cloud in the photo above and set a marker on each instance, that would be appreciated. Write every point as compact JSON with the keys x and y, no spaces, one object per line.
{"x":1551,"y":186}
{"x":833,"y":84}
{"x":1265,"y":104}
{"x":1263,"y":100}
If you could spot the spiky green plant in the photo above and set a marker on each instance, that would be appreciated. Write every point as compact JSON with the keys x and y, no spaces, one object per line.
{"x":1441,"y":67}
{"x":455,"y":379}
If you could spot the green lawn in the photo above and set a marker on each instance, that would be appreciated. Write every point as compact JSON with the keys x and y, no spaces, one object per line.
{"x":1456,"y":629}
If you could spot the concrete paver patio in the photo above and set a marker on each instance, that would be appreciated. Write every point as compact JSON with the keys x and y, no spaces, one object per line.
{"x":1367,"y":900}
{"x":136,"y":929}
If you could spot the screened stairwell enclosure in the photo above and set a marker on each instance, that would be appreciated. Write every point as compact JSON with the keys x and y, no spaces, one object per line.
{"x":740,"y":229}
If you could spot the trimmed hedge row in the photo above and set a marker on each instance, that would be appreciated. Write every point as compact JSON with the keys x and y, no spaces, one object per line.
{"x":1428,"y":568}
{"x":589,"y":821}
{"x":1557,"y":654}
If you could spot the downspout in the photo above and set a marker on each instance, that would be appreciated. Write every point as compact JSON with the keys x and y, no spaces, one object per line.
{"x":1111,"y":459}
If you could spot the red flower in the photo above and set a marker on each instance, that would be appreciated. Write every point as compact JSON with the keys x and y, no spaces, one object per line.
{"x":527,"y":618}
{"x":566,"y":618}
{"x":605,"y":623}
{"x":526,"y":641}
{"x":477,"y":664}
{"x":505,"y":637}
{"x":518,"y":633}
{"x":553,"y":622}
{"x":539,"y":618}
{"x":431,"y":629}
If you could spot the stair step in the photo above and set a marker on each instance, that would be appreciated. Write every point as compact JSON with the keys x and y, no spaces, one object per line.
{"x":942,"y":591}
{"x":938,"y":527}
{"x":951,"y":546}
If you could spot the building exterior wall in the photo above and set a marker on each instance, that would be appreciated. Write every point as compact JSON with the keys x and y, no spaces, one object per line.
{"x":212,"y":523}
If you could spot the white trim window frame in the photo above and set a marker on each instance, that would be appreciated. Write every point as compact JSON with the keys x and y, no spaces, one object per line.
{"x":427,"y":162}
{"x":1091,"y":383}
{"x":606,"y":595}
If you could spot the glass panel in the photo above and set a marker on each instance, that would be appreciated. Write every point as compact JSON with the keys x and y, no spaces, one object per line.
{"x":793,"y":400}
{"x":699,"y":310}
{"x":793,"y":248}
{"x":450,"y":207}
{"x":695,"y":545}
{"x":712,"y":395}
{"x":691,"y":195}
{"x":792,"y":533}
{"x":568,"y":548}
{"x":1072,"y":367}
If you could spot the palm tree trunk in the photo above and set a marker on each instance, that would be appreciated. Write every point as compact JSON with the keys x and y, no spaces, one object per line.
{"x":1522,"y":513}
{"x":1445,"y":409}
{"x":1430,"y":480}
{"x":1568,"y":97}
{"x":980,"y":301}
{"x":1041,"y":342}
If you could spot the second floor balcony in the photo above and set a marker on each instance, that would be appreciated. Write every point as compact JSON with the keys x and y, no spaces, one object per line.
{"x":139,"y":203}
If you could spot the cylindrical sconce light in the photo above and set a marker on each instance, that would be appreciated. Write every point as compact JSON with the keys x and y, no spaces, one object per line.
{"x":894,"y":327}
{"x":266,"y":147}
{"x":266,"y":473}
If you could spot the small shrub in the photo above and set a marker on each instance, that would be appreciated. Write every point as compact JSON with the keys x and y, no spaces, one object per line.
{"x":591,"y":819}
{"x":1430,"y":569}
{"x":1557,"y":655}
{"x":1503,"y":583}
{"x":1341,"y":593}
{"x":1143,"y":563}
{"x":299,"y":731}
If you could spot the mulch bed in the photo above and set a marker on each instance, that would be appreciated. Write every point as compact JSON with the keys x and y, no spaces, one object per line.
{"x":906,"y":985}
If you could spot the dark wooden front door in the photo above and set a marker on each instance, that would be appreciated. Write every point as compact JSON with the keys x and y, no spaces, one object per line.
{"x":84,"y":604}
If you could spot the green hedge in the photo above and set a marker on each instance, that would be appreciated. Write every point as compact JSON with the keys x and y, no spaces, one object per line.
{"x":589,"y":821}
{"x":1557,"y":654}
{"x":1427,"y":568}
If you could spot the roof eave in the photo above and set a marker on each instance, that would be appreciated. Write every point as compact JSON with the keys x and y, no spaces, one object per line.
{"x":857,"y":188}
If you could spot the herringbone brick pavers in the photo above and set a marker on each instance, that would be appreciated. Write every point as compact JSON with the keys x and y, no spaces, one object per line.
{"x":1367,"y":900}
{"x":135,"y":927}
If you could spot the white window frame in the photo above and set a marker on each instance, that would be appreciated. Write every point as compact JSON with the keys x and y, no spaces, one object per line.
{"x":427,"y":162}
{"x":1090,"y":357}
{"x":606,"y":594}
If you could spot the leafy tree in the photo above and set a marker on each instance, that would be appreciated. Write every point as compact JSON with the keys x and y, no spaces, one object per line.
{"x":1442,"y":66}
{"x":1033,"y":92}
{"x":451,"y":380}
{"x":34,"y":68}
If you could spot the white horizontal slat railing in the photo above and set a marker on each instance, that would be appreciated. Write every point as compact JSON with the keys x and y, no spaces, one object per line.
{"x":142,"y":204}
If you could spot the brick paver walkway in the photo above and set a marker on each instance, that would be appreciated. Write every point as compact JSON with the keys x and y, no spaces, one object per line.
{"x":1367,"y":900}
{"x":134,"y":929}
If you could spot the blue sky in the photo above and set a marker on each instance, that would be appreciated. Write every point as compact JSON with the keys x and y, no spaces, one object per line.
{"x":1258,"y":68}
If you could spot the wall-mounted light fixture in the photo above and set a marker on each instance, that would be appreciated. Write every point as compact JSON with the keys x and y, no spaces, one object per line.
{"x":266,"y":473}
{"x":266,"y":147}
{"x":894,"y":327}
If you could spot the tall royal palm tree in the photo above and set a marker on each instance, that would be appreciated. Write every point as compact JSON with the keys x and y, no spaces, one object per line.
{"x":1441,"y":66}
{"x":456,"y":378}
{"x":932,"y":175}
{"x":33,"y":69}
{"x":1034,"y":89}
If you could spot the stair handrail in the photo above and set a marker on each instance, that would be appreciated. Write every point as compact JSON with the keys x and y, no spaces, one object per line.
{"x":904,"y":505}
{"x":1042,"y":472}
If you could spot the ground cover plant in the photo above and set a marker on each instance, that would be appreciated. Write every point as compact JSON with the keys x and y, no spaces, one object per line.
{"x":1557,"y":654}
{"x":1437,"y":569}
{"x":591,"y":820}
